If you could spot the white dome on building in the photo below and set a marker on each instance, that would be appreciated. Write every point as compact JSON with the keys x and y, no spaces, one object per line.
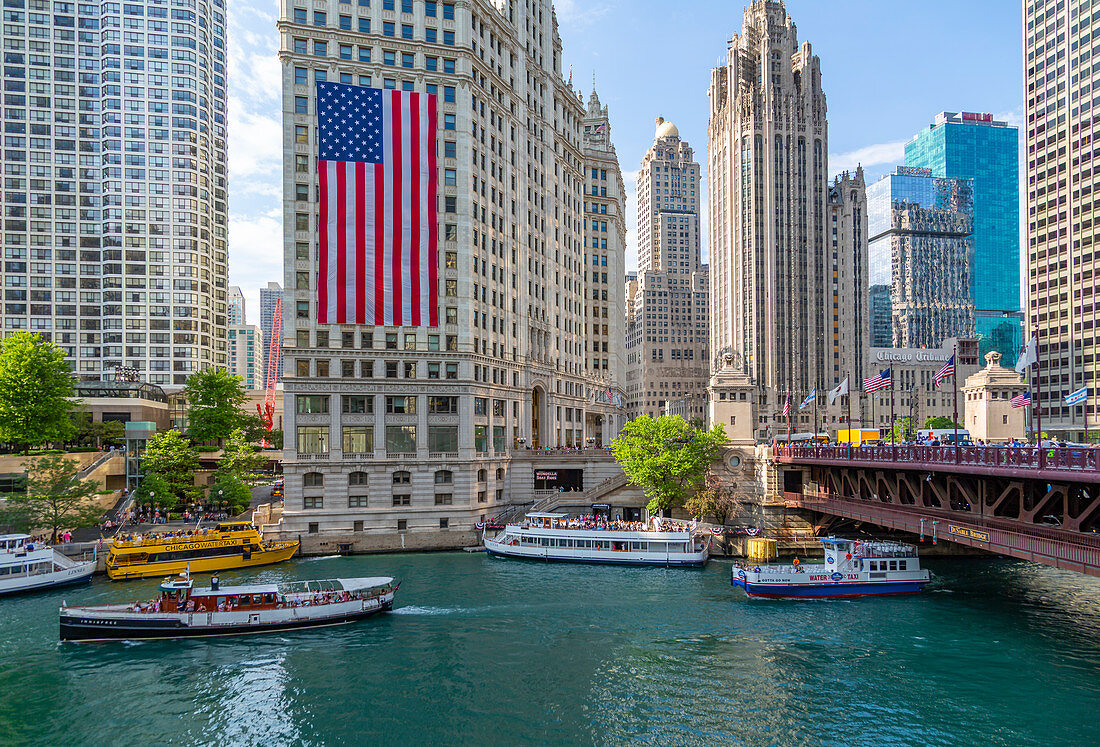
{"x":665,"y":129}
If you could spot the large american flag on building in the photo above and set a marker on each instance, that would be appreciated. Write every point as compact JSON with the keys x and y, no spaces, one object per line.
{"x":947,"y":370}
{"x":377,"y":227}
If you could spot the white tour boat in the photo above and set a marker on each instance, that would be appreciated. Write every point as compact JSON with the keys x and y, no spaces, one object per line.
{"x":28,"y":566}
{"x":554,"y":536}
{"x":851,"y":569}
{"x":184,"y":611}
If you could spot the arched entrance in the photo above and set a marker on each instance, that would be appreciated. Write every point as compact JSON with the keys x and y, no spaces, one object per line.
{"x":536,"y":417}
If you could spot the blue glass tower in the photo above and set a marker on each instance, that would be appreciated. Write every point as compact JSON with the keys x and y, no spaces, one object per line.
{"x":974,"y":146}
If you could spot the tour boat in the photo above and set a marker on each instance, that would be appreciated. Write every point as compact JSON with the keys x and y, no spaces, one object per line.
{"x":851,"y":569}
{"x":184,"y":611}
{"x":229,"y":545}
{"x":28,"y":566}
{"x":554,"y":536}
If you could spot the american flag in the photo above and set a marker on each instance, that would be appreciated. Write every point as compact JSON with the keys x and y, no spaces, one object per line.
{"x":787,"y":407}
{"x":1021,"y":400}
{"x":881,"y":380}
{"x":947,"y":370}
{"x":377,"y":229}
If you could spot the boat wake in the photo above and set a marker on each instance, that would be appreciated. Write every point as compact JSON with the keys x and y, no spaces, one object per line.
{"x":418,"y":610}
{"x":322,"y":557}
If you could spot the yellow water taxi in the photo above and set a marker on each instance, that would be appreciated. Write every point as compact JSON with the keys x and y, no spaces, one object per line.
{"x":230,"y":544}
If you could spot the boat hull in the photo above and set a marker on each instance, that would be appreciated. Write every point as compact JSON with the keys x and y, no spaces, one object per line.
{"x":199,"y":565}
{"x":85,"y":628}
{"x":829,"y":590}
{"x":78,"y":574}
{"x":692,"y":560}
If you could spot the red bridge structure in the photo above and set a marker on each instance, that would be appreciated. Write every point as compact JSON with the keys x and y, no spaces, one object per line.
{"x":1036,"y":504}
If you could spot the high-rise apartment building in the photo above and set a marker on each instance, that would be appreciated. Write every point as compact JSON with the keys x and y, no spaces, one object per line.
{"x":969,"y":145}
{"x":246,"y":354}
{"x":922,"y":246}
{"x":1062,"y":263}
{"x":391,"y":429}
{"x":769,"y":205}
{"x":605,"y":263}
{"x":114,"y":195}
{"x":667,"y":335}
{"x":269,"y":296}
{"x":234,"y":306}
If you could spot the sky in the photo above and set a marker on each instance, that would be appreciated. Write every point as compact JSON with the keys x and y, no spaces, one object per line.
{"x":887,"y":69}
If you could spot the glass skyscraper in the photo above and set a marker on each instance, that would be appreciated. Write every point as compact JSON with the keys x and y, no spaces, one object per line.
{"x":966,"y":145}
{"x":114,"y":193}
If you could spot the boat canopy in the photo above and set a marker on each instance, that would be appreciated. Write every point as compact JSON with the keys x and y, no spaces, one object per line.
{"x":544,"y":515}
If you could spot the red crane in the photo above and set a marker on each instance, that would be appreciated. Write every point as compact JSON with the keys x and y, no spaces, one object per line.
{"x":274,"y":348}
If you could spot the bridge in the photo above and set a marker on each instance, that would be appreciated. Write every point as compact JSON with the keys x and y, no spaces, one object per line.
{"x":1035,"y":504}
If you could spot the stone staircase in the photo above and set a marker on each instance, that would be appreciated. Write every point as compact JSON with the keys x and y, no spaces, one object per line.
{"x":591,"y":495}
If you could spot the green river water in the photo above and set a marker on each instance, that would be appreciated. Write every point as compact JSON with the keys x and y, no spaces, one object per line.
{"x":486,"y":651}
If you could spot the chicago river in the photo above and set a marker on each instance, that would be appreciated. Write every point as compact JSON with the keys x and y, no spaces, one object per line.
{"x":494,"y":651}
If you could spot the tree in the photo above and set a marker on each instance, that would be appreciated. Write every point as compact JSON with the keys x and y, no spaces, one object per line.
{"x":666,"y":457}
{"x":942,"y":422}
{"x":902,"y":430}
{"x":35,"y":386}
{"x":712,"y":498}
{"x":231,"y":490}
{"x":55,"y":497}
{"x":170,"y":457}
{"x":240,"y":458}
{"x":215,"y":405}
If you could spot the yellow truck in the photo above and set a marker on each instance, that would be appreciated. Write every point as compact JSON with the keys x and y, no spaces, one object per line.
{"x":858,"y":437}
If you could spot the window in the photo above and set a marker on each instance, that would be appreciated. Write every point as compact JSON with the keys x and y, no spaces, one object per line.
{"x":364,"y":25}
{"x":358,"y":479}
{"x":320,"y":48}
{"x":433,"y":342}
{"x":481,"y":475}
{"x":319,"y":18}
{"x":364,"y":56}
{"x":481,"y":497}
{"x":480,"y":405}
{"x":357,"y":404}
{"x":444,"y":523}
{"x":500,"y":473}
{"x":401,"y":405}
{"x":322,"y":368}
{"x":452,"y":371}
{"x":391,"y":341}
{"x":450,"y":176}
{"x":448,"y":64}
{"x":388,"y":57}
{"x":438,"y":405}
{"x":498,"y":408}
{"x":450,"y":150}
{"x":345,"y":23}
{"x":388,"y":29}
{"x":452,"y":342}
{"x":451,"y":316}
{"x":401,"y":500}
{"x":301,"y":310}
{"x":407,"y":33}
{"x":429,"y":8}
{"x":358,"y":439}
{"x":313,"y":527}
{"x":301,"y":166}
{"x":391,"y":369}
{"x":433,"y":370}
{"x":449,"y":124}
{"x":300,"y":15}
{"x":409,"y":369}
{"x":431,"y":64}
{"x":450,"y":288}
{"x":313,"y":501}
{"x":449,"y":95}
{"x":442,"y":438}
{"x":313,"y":480}
{"x":301,"y":76}
{"x":449,"y":11}
{"x":313,"y":439}
{"x":301,"y":367}
{"x":401,"y":439}
{"x":410,"y":341}
{"x":498,"y":438}
{"x":357,"y":501}
{"x":301,"y":134}
{"x":402,"y":524}
{"x":481,"y":443}
{"x":312,"y":403}
{"x":444,"y":499}
{"x":401,"y":477}
{"x":345,"y":52}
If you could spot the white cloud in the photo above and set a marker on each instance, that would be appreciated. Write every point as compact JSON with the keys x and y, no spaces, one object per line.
{"x":867,"y":156}
{"x":256,"y":255}
{"x":580,"y":13}
{"x":254,"y":144}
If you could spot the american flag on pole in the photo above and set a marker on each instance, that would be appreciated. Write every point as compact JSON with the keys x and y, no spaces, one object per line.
{"x":947,"y":370}
{"x":377,"y":228}
{"x":881,"y":380}
{"x":1021,"y":400}
{"x":787,"y":407}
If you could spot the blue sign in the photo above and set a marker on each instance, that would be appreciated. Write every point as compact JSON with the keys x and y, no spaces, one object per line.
{"x":837,"y":575}
{"x":829,"y":560}
{"x":1077,"y":397}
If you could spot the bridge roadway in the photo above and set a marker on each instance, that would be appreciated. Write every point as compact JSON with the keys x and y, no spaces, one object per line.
{"x":1041,"y":505}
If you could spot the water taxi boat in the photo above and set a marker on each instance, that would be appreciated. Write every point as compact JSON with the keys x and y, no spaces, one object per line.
{"x":555,"y":536}
{"x":29,"y":566}
{"x":184,"y":611}
{"x":229,"y":545}
{"x":851,"y":569}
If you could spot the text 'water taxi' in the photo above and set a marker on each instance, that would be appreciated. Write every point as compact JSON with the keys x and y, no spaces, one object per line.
{"x":229,"y":545}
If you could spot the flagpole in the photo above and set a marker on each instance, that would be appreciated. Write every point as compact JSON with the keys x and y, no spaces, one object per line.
{"x":892,"y":443}
{"x":815,"y":416}
{"x":955,"y":386}
{"x":788,"y":408}
{"x":1039,"y":403}
{"x":848,"y":396}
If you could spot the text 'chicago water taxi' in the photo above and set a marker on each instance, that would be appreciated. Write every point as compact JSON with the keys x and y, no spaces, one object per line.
{"x":230,"y":544}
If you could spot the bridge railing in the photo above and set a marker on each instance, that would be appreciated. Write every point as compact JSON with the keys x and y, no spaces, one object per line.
{"x":1052,"y":458}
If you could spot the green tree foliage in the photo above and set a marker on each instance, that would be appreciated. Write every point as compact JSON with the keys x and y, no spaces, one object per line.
{"x":714,"y":499}
{"x":170,"y":458}
{"x":231,"y":490}
{"x":902,"y":430}
{"x":215,"y":405}
{"x":35,"y":387}
{"x":55,"y":498}
{"x":666,"y":457}
{"x":98,"y":434}
{"x":240,"y":458}
{"x":942,"y":421}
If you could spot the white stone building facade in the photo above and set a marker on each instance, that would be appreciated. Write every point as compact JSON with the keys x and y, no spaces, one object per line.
{"x":667,"y":330}
{"x":413,"y":430}
{"x":114,"y":195}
